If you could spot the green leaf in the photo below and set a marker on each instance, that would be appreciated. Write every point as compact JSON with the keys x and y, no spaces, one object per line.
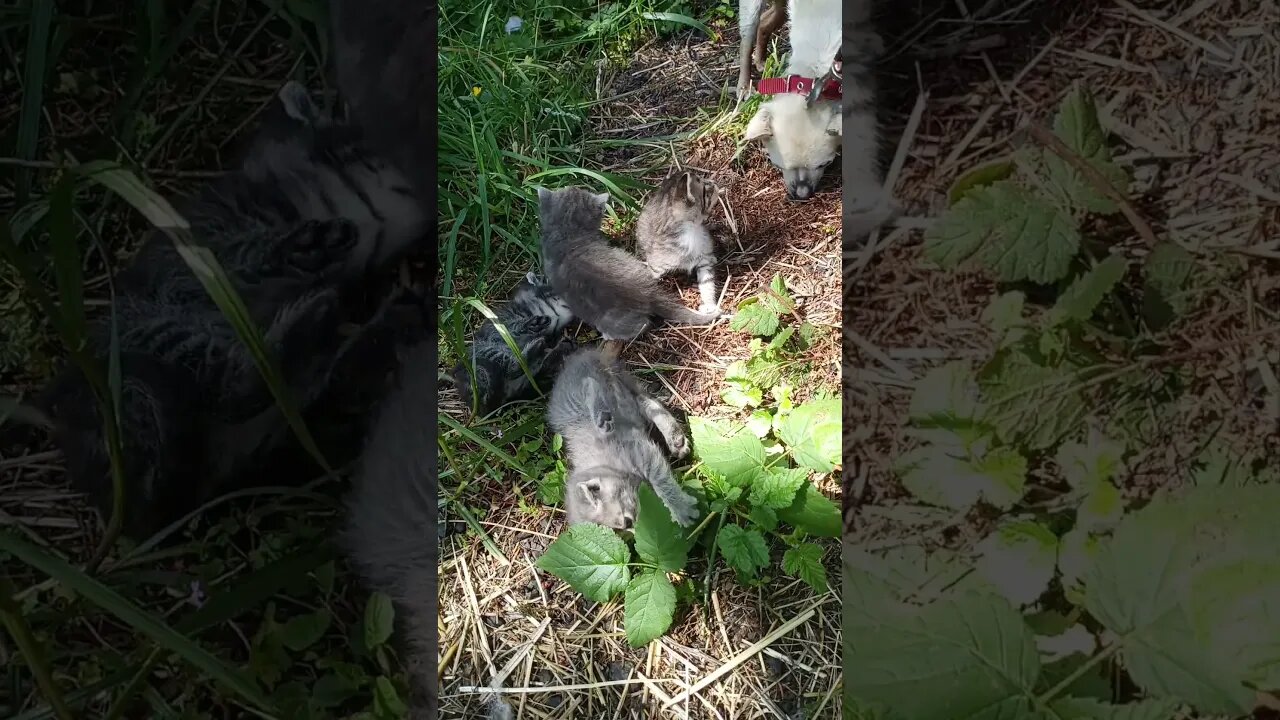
{"x":744,"y":550}
{"x":978,"y":177}
{"x":776,"y":488}
{"x":1004,"y":317}
{"x":946,"y":391}
{"x":1102,"y":508}
{"x":386,"y":701}
{"x":1086,"y":465}
{"x":1008,"y":230}
{"x":1077,"y":125}
{"x":764,"y":517}
{"x":755,"y":317}
{"x":940,"y":476}
{"x":591,"y":558}
{"x":1029,"y":403}
{"x":1166,"y":272}
{"x":760,"y":423}
{"x":737,"y":455}
{"x":1076,"y":552}
{"x":658,"y":539}
{"x":742,"y":396}
{"x":650,"y":606}
{"x":1083,"y":296}
{"x":1018,"y":559}
{"x":805,"y":562}
{"x":303,"y":631}
{"x":1090,"y":709}
{"x":813,"y":513}
{"x":974,"y":645}
{"x":812,"y":433}
{"x":379,"y":620}
{"x":1189,"y":585}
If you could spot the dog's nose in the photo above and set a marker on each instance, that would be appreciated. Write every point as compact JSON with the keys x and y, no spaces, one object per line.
{"x":802,"y":191}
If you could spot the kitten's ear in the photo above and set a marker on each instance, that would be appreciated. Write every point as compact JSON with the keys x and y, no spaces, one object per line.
{"x":761,"y":125}
{"x":590,"y":490}
{"x":297,"y":103}
{"x":602,"y":199}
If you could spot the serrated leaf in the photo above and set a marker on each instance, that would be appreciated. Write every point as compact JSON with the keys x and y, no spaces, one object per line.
{"x":1018,"y":560}
{"x":379,"y":620}
{"x":1090,"y":709}
{"x":1083,"y":296}
{"x":303,"y":631}
{"x":1166,"y":272}
{"x":744,"y":550}
{"x":591,"y":558}
{"x":1077,"y":125}
{"x":1097,"y":460}
{"x":812,"y":433}
{"x":658,"y":539}
{"x":805,"y":562}
{"x":1101,"y":509}
{"x":650,"y":606}
{"x":763,"y":517}
{"x":940,"y":476}
{"x":760,"y":422}
{"x":739,"y":397}
{"x":1159,"y":586}
{"x":755,"y":317}
{"x":947,"y":390}
{"x":813,"y":513}
{"x":980,"y":176}
{"x":776,"y":488}
{"x":973,"y":650}
{"x":735,"y":454}
{"x":1028,"y":403}
{"x":1008,"y":230}
{"x":1004,"y":317}
{"x":779,"y":300}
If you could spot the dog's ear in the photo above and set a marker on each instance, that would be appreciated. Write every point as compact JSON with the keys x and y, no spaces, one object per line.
{"x":761,"y":125}
{"x":835,"y":126}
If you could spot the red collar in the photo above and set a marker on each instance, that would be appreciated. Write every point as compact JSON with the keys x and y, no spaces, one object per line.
{"x":799,"y":85}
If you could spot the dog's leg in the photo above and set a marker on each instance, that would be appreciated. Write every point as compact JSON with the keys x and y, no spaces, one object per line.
{"x":772,"y":19}
{"x":748,"y":21}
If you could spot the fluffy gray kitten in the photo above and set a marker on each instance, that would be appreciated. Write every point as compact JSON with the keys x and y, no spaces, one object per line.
{"x":391,"y":514}
{"x":605,"y":286}
{"x":606,"y":419}
{"x":534,"y":317}
{"x":672,"y":233}
{"x":306,"y":228}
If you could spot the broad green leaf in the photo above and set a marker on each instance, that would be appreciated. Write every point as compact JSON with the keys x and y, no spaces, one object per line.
{"x":386,"y":700}
{"x":980,"y":176}
{"x":779,"y":300}
{"x":1076,"y":552}
{"x":1089,"y":709}
{"x":776,"y":488}
{"x":650,"y":606}
{"x":805,"y":562}
{"x":591,"y":558}
{"x":739,"y":391}
{"x":379,"y":620}
{"x":755,"y":317}
{"x":1077,"y":125}
{"x":1101,"y":509}
{"x":1008,"y":230}
{"x":303,"y":631}
{"x":1028,"y":403}
{"x":1083,"y":296}
{"x":947,"y":391}
{"x":658,"y":539}
{"x":1165,"y":583}
{"x":744,"y":550}
{"x":735,"y":454}
{"x":813,"y":513}
{"x":812,"y":433}
{"x":940,"y":476}
{"x":760,"y":423}
{"x":972,"y":651}
{"x":1004,"y":317}
{"x":1165,"y":272}
{"x":765,"y":518}
{"x":911,"y":570}
{"x":1088,"y":464}
{"x":1018,"y":559}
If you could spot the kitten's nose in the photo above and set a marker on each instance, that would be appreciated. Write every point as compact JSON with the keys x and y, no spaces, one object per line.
{"x":628,"y":522}
{"x":802,"y":191}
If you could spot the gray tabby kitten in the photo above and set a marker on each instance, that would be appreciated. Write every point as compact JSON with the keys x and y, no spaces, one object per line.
{"x":305,"y":228}
{"x":534,"y":317}
{"x":605,"y":286}
{"x":606,"y":419}
{"x":672,"y":233}
{"x":391,"y":514}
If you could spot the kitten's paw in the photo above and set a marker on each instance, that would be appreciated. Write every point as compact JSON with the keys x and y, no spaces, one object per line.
{"x":319,"y":245}
{"x":684,"y":509}
{"x":677,"y":443}
{"x":710,"y":309}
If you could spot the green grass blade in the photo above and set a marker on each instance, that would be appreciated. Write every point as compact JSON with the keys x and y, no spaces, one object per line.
{"x":66,"y":259}
{"x":488,"y":446}
{"x":35,"y":71}
{"x":506,"y":337}
{"x":681,"y":19}
{"x":145,"y":623}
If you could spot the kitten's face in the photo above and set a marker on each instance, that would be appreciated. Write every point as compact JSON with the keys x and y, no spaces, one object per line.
{"x":571,"y":207}
{"x":601,"y":496}
{"x":801,"y":140}
{"x":689,"y":195}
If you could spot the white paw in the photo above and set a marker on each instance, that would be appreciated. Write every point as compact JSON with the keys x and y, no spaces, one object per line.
{"x":710,"y":309}
{"x":677,"y":442}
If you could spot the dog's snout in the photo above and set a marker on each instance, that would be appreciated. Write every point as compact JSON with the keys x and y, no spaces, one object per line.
{"x":800,"y":191}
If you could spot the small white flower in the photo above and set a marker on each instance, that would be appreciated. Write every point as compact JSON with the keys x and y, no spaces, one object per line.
{"x":514,"y":24}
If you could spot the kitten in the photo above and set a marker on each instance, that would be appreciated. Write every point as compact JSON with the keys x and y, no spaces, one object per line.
{"x":606,"y":287}
{"x":306,"y":228}
{"x":534,"y":318}
{"x":391,"y":514}
{"x":672,"y":235}
{"x":607,"y":419}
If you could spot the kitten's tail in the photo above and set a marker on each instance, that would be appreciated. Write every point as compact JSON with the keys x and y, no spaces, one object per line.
{"x":391,"y":525}
{"x":673,"y":310}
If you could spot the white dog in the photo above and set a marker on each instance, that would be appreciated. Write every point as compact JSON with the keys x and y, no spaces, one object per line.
{"x":801,"y":125}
